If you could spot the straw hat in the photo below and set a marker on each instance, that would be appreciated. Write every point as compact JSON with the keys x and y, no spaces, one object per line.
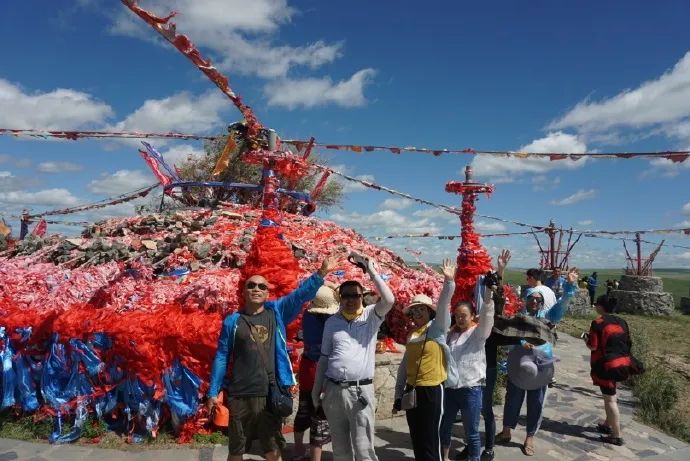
{"x":529,"y":370}
{"x":420,"y":300}
{"x":325,"y":301}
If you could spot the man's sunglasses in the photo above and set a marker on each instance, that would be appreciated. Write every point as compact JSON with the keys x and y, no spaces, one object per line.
{"x":350,"y":295}
{"x":260,"y":286}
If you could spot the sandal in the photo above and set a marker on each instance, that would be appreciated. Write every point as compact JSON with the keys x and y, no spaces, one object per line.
{"x":528,"y":450}
{"x":603,"y":428}
{"x":611,"y":439}
{"x":502,"y":438}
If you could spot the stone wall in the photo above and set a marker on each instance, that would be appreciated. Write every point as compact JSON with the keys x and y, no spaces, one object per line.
{"x":384,"y":383}
{"x":641,"y":283}
{"x":643,"y":295}
{"x":580,"y":304}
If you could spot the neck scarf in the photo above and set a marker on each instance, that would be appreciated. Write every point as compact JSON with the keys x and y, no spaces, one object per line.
{"x":351,"y":316}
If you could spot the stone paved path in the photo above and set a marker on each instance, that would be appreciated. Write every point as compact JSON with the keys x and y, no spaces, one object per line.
{"x":573,"y":406}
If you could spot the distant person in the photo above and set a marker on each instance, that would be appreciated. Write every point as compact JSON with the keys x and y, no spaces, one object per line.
{"x":583,"y":283}
{"x":534,"y":281}
{"x":609,"y":286}
{"x":592,"y":286}
{"x":556,"y":282}
{"x":616,"y":283}
{"x":611,"y":361}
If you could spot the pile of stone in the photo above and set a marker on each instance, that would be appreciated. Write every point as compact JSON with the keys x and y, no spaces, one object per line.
{"x":638,"y":294}
{"x":152,"y":239}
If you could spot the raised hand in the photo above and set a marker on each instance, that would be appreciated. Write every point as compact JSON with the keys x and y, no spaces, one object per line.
{"x":573,"y":275}
{"x":502,"y":261}
{"x":448,"y":269}
{"x":328,"y":265}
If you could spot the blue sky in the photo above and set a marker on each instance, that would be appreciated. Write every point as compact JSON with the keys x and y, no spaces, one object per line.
{"x":537,"y":75}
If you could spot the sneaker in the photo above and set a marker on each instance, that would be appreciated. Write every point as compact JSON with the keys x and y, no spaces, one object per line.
{"x":611,"y":439}
{"x":463,"y":455}
{"x":487,"y":455}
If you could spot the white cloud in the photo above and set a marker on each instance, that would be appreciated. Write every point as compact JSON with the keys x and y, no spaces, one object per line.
{"x":351,"y":186}
{"x":684,"y":224}
{"x":177,"y":155}
{"x":385,"y":222}
{"x":239,"y":36}
{"x":662,"y":102}
{"x":395,"y":204}
{"x":501,"y":169}
{"x":59,"y":109}
{"x":667,"y":167}
{"x":585,"y":222}
{"x":488,"y":227}
{"x":120,"y":182}
{"x":312,"y":92}
{"x":47,"y":197}
{"x":5,"y":174}
{"x":435,"y":213}
{"x":238,"y":33}
{"x":578,"y":196}
{"x":58,"y":167}
{"x":686,"y":208}
{"x":18,"y":162}
{"x":179,"y":112}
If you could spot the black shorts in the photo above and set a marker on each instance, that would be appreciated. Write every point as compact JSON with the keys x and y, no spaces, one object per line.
{"x":315,"y":421}
{"x":608,"y":390}
{"x":250,"y":420}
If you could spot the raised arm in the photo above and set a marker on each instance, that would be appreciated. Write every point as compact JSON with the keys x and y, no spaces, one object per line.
{"x":486,"y":316}
{"x":289,"y":306}
{"x":387,"y":299}
{"x":441,"y":322}
{"x":557,"y":311}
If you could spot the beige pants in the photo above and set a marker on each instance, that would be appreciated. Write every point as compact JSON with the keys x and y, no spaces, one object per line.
{"x":351,"y":423}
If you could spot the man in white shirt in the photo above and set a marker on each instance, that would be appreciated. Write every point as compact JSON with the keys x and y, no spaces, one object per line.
{"x":345,"y":373}
{"x":534,"y":281}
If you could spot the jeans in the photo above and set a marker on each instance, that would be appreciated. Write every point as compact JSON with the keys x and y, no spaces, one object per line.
{"x":488,"y":409}
{"x":535,"y":404}
{"x":469,"y":401}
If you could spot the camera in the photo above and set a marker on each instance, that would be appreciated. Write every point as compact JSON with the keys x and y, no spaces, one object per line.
{"x":491,"y":279}
{"x":358,"y":260}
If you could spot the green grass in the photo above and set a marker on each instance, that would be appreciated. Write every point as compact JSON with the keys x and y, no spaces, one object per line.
{"x":24,"y":427}
{"x":676,"y":281}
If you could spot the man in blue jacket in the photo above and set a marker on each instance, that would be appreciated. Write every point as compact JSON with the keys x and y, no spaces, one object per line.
{"x":253,"y":341}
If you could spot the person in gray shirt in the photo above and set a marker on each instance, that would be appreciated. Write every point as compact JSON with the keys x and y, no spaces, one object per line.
{"x":345,"y":374}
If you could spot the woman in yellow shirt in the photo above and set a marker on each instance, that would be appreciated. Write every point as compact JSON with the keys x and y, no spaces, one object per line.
{"x":424,"y":368}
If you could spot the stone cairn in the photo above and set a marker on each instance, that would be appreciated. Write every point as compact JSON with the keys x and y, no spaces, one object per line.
{"x":638,"y":294}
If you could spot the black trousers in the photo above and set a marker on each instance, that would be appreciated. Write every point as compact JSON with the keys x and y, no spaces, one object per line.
{"x":425,"y":423}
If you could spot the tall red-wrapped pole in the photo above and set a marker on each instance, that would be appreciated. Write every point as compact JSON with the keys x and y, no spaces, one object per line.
{"x":473,"y":259}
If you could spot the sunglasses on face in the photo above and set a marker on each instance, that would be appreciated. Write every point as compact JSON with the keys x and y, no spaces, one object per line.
{"x":535,"y":299}
{"x":260,"y":286}
{"x":350,"y":295}
{"x":416,"y":310}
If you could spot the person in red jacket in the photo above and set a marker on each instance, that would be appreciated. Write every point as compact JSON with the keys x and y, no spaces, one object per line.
{"x":611,"y":361}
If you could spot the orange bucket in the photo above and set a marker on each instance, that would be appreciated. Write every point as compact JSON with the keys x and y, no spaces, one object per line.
{"x":220,"y":414}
